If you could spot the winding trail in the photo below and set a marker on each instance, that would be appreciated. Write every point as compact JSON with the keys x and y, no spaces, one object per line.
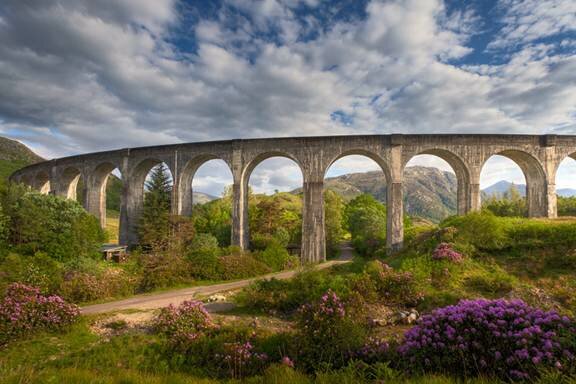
{"x":163,"y":299}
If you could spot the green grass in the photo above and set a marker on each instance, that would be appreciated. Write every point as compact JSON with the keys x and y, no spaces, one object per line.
{"x":80,"y":356}
{"x":112,"y":226}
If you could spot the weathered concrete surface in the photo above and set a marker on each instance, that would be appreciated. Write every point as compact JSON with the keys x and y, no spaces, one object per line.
{"x":537,"y":155}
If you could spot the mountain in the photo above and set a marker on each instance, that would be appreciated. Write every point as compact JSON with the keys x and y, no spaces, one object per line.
{"x":428,"y":192}
{"x":13,"y":156}
{"x":501,"y":187}
{"x":202,"y":198}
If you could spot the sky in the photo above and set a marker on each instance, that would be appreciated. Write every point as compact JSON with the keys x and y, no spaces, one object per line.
{"x":78,"y":76}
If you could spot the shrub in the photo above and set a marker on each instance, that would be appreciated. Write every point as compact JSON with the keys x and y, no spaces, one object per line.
{"x":327,"y":333}
{"x":483,"y":230}
{"x":490,"y":337}
{"x":240,"y":265}
{"x":203,"y":256}
{"x":275,"y":256}
{"x":395,"y":288}
{"x":162,"y":269}
{"x":24,"y":310}
{"x":59,"y":227}
{"x":444,"y":251}
{"x":37,"y":270}
{"x":242,"y":360}
{"x":183,"y":324}
{"x":289,"y":295}
{"x":79,"y":286}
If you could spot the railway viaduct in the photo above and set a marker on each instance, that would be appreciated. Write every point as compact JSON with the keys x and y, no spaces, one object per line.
{"x":537,"y":155}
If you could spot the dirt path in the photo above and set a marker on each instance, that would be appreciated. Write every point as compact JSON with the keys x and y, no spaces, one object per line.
{"x":159,"y":300}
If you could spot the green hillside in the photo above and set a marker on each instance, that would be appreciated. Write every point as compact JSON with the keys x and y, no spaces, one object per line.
{"x":13,"y":156}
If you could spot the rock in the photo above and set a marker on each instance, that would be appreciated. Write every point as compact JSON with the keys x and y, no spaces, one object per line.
{"x":216,"y":297}
{"x":406,"y":317}
{"x":412,"y":316}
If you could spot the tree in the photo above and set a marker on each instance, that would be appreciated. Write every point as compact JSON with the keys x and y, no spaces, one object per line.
{"x":215,"y":218}
{"x":366,"y":218}
{"x":334,"y":221}
{"x":155,"y":220}
{"x":59,"y":227}
{"x":510,"y":204}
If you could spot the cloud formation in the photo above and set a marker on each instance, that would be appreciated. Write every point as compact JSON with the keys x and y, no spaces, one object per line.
{"x":82,"y":75}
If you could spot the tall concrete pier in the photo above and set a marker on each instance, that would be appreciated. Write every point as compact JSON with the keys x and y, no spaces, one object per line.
{"x":537,"y":155}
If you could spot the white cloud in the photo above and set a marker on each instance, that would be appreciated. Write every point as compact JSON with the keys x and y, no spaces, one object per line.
{"x":526,"y":21}
{"x":79,"y":76}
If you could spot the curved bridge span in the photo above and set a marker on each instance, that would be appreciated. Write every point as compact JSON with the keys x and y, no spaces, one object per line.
{"x":537,"y":155}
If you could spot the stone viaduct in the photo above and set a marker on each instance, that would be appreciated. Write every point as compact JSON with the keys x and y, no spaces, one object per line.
{"x":537,"y":155}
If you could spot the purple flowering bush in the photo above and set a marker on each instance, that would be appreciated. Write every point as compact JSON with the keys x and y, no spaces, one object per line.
{"x":374,"y":350}
{"x":445,"y":251}
{"x":242,"y":360}
{"x":508,"y":339}
{"x":328,"y":332}
{"x":185,"y":323}
{"x":24,"y":310}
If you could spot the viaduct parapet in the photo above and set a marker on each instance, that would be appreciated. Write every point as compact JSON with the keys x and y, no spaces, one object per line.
{"x":537,"y":155}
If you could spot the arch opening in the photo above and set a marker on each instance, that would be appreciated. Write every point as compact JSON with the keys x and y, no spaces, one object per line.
{"x":274,"y":185}
{"x":503,"y":185}
{"x":150,"y":202}
{"x":434,"y":187}
{"x":71,"y":184}
{"x":210,"y":194}
{"x":203,"y":179}
{"x":41,"y":183}
{"x":355,"y":195}
{"x":105,"y":199}
{"x":566,"y":187}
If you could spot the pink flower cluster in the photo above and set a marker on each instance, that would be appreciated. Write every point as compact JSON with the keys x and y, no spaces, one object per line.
{"x":320,"y":317}
{"x":184,"y":323}
{"x":506,"y":338}
{"x":444,"y":251}
{"x":242,"y":360}
{"x":24,"y":309}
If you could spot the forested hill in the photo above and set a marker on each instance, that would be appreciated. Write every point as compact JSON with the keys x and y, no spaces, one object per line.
{"x":14,"y":155}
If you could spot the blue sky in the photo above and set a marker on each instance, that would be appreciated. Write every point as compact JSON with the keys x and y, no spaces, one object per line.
{"x":86,"y":75}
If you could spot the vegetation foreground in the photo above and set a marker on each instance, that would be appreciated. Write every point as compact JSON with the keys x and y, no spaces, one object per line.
{"x":496,"y":296}
{"x":480,"y":298}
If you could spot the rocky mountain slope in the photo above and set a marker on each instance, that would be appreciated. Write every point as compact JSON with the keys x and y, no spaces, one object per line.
{"x":428,"y":192}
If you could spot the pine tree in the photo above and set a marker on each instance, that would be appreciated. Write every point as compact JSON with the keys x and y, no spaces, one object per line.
{"x":155,"y":219}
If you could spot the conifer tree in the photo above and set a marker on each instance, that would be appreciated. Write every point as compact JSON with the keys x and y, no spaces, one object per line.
{"x":155,"y":219}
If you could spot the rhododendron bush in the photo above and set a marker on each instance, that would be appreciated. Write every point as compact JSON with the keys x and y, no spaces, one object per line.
{"x":507,"y":338}
{"x":184,"y":323}
{"x":329,"y":332}
{"x":444,"y":251}
{"x":24,"y":310}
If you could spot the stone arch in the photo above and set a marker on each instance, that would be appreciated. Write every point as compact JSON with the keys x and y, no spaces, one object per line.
{"x":185,"y":193}
{"x":536,"y":181}
{"x":41,"y":182}
{"x":68,"y":182}
{"x":362,"y":152}
{"x":135,"y":200}
{"x":560,"y":160}
{"x":254,"y":162}
{"x":25,"y":179}
{"x":96,"y":199}
{"x":248,"y":172}
{"x":460,"y":170}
